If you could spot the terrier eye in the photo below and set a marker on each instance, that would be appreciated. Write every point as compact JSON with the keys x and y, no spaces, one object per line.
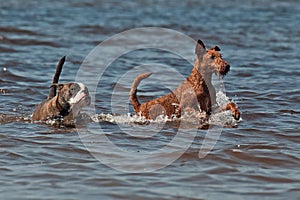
{"x":213,"y":57}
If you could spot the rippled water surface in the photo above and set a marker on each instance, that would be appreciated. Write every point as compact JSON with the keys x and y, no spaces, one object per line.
{"x":258,"y":159}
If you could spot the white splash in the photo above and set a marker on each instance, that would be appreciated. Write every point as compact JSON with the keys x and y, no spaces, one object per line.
{"x":223,"y":118}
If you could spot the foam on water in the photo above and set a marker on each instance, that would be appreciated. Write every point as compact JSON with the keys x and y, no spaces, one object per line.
{"x":223,"y":118}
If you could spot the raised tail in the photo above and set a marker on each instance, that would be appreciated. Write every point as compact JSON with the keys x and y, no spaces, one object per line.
{"x":133,"y":98}
{"x":60,"y":64}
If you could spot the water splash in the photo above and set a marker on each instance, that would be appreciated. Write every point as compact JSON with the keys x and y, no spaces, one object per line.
{"x":191,"y":119}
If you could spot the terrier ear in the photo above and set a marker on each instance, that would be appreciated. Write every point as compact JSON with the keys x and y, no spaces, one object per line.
{"x":216,"y":48}
{"x":200,"y":48}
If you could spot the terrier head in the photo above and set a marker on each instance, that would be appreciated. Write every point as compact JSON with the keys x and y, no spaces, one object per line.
{"x":210,"y":61}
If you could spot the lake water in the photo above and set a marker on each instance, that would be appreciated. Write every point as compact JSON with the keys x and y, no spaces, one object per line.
{"x":117,"y":155}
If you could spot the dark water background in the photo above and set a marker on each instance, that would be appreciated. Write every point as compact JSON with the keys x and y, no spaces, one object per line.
{"x":259,"y":159}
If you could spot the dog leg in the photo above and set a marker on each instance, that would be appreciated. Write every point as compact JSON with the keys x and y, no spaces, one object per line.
{"x":230,"y":106}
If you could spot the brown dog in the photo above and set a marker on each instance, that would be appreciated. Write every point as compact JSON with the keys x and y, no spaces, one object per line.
{"x":65,"y":103}
{"x":196,"y":92}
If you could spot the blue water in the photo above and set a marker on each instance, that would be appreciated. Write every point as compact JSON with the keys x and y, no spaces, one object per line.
{"x":258,"y":159}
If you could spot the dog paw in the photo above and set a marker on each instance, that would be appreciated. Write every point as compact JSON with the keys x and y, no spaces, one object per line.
{"x":236,"y":114}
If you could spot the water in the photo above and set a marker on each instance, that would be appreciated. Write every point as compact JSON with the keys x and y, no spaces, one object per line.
{"x":258,"y":159}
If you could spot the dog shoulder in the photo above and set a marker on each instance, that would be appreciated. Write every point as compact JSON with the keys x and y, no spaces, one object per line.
{"x":44,"y":110}
{"x":39,"y":110}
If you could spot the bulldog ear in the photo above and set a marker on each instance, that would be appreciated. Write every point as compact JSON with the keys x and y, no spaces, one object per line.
{"x":200,"y":48}
{"x":56,"y":85}
{"x":60,"y":86}
{"x":53,"y":88}
{"x":216,"y":48}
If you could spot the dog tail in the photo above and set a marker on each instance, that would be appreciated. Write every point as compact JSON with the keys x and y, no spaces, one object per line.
{"x":60,"y":64}
{"x":133,"y":98}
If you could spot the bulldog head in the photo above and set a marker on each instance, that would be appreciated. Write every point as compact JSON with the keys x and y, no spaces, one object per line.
{"x":72,"y":97}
